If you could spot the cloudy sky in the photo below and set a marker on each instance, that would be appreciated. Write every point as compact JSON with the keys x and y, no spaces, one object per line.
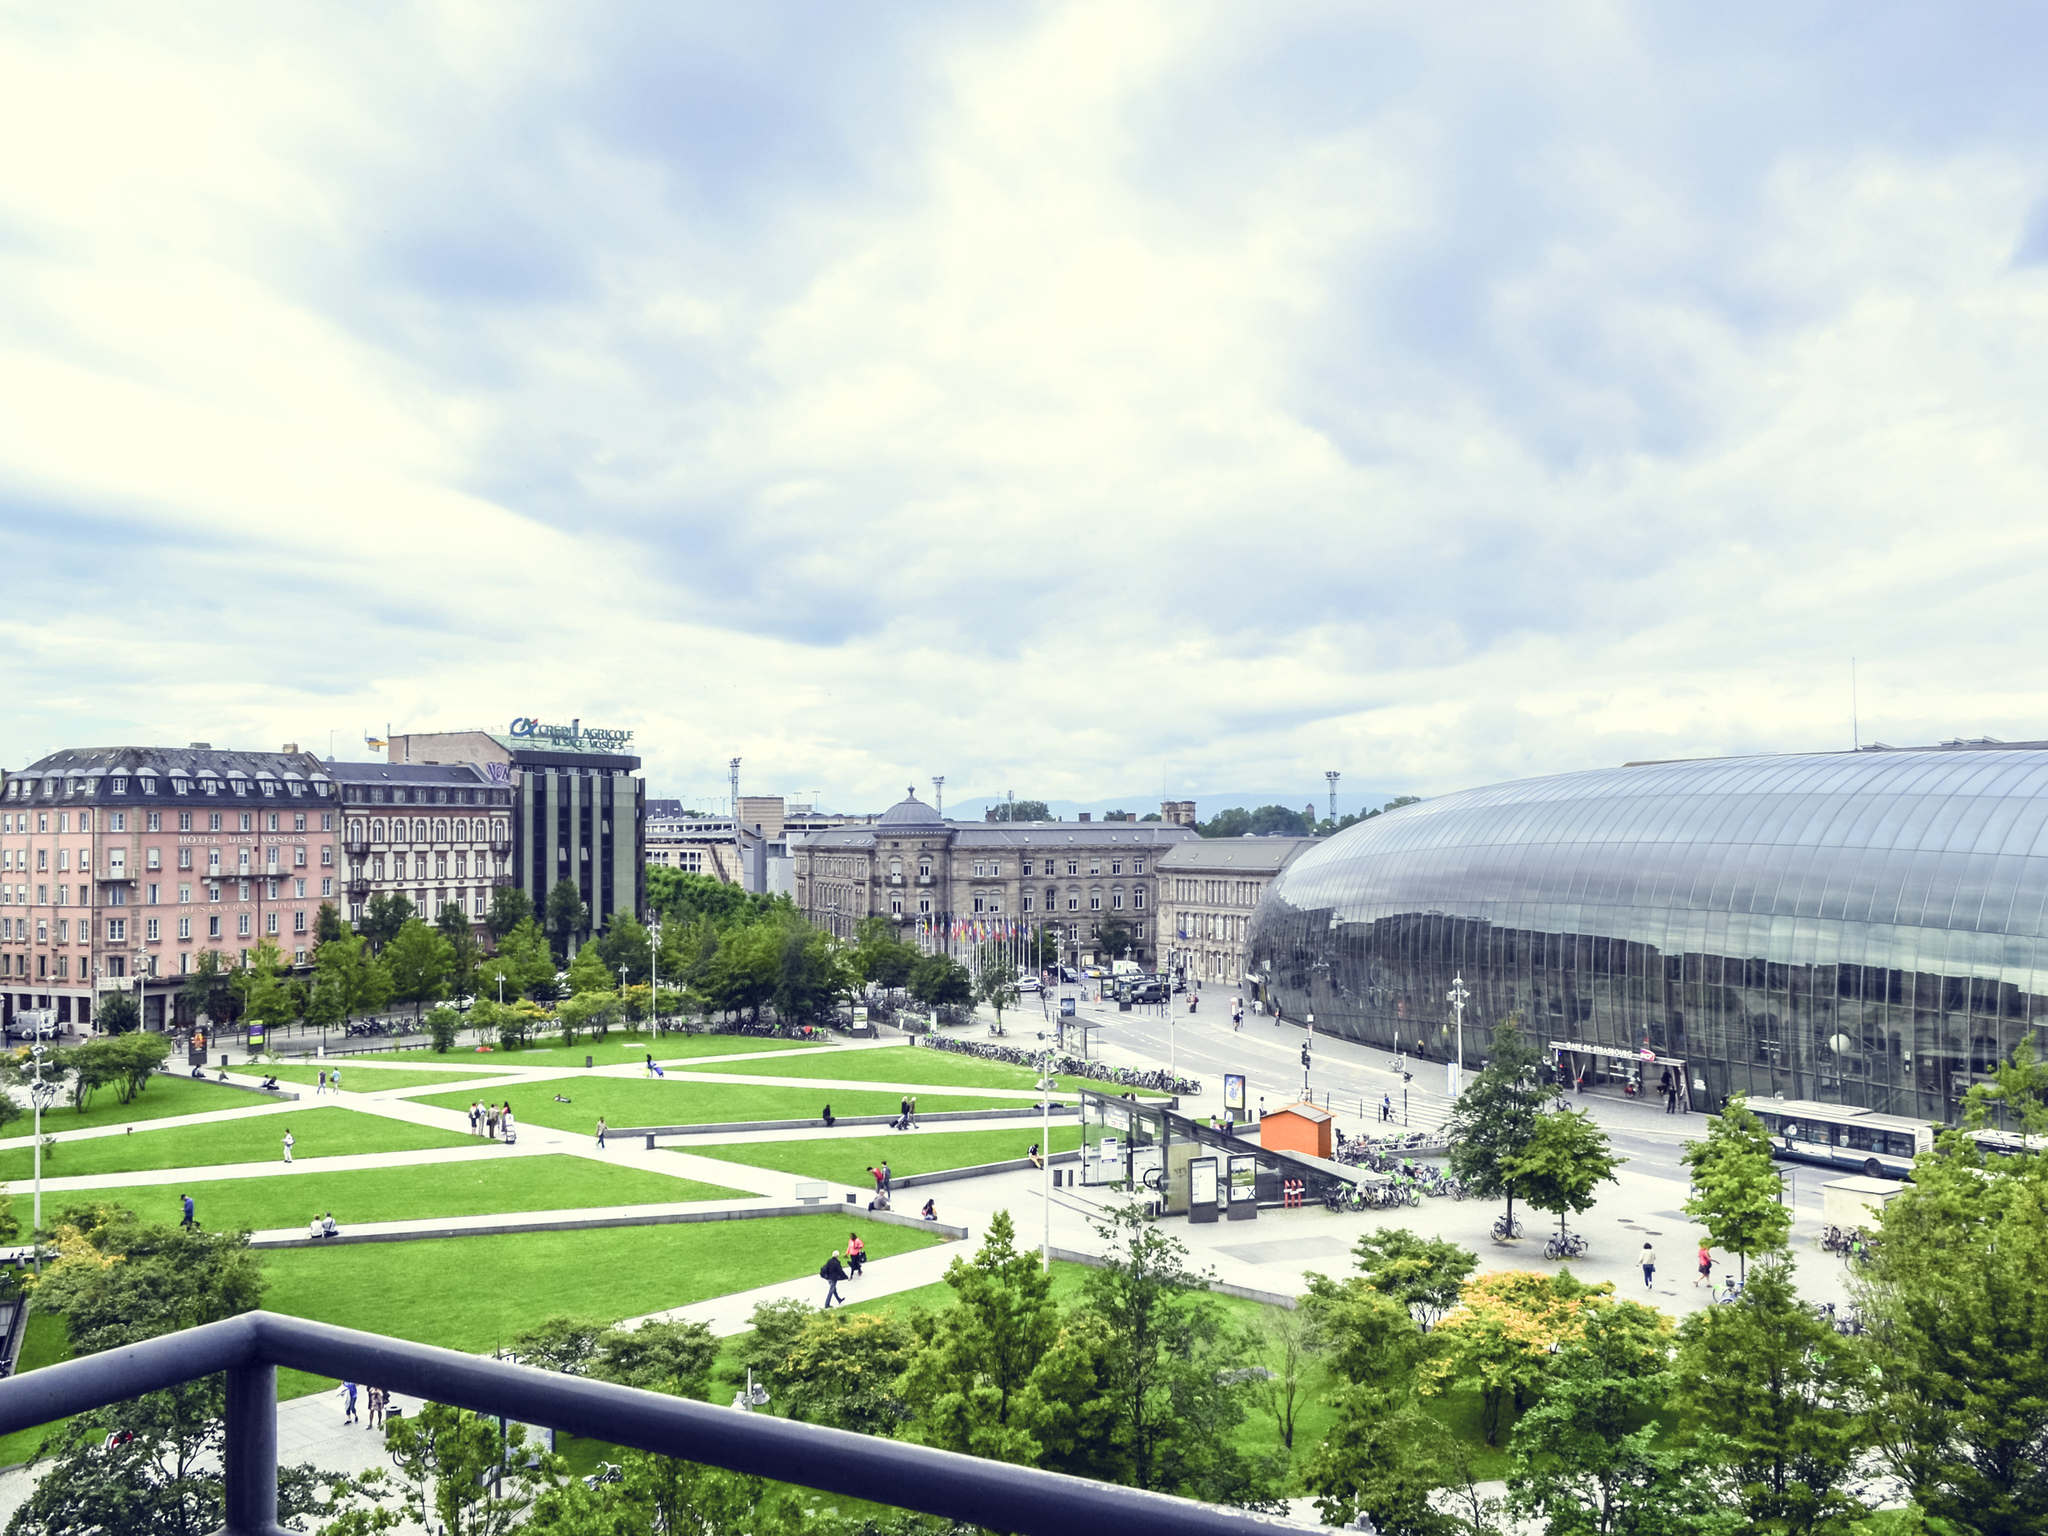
{"x":1086,"y":400}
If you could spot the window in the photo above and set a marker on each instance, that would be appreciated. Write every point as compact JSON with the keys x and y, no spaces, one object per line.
{"x":924,"y":906}
{"x":1073,"y":867}
{"x":63,"y":821}
{"x":270,"y":923}
{"x":1116,"y":866}
{"x":248,"y":822}
{"x":299,"y":822}
{"x":299,"y":957}
{"x":299,"y":888}
{"x":1116,"y":899}
{"x":327,"y":887}
{"x":117,"y":930}
{"x":184,"y":858}
{"x":326,"y":819}
{"x":1138,"y":867}
{"x":184,"y":821}
{"x":213,"y":927}
{"x":243,"y":886}
{"x":213,"y":892}
{"x":119,"y":821}
{"x":440,"y":866}
{"x":184,"y":927}
{"x":1095,"y":866}
{"x":213,"y":821}
{"x":149,"y":930}
{"x":184,"y":895}
{"x":440,"y":831}
{"x":63,"y":860}
{"x":64,"y":929}
{"x":1027,"y":901}
{"x":242,"y":925}
{"x":154,"y":888}
{"x":270,"y":821}
{"x":270,"y":890}
{"x":377,"y":830}
{"x":1095,"y":901}
{"x":299,"y":857}
{"x":1138,"y":898}
{"x":1073,"y":901}
{"x":924,"y":869}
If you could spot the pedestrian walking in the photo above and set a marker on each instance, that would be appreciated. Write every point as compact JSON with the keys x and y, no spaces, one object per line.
{"x":832,"y":1274}
{"x":885,"y":1176}
{"x":188,"y":1223}
{"x":650,"y":1063}
{"x":1262,"y":1106}
{"x":322,"y":1086}
{"x":348,"y":1398}
{"x":856,"y":1255}
{"x":1648,"y":1259}
{"x":1706,"y":1267}
{"x":334,"y":1080}
{"x":378,"y":1397}
{"x":1386,"y":1106}
{"x":288,"y":1145}
{"x":600,"y":1133}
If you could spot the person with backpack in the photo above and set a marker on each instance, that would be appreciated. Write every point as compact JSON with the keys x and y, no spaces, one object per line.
{"x":832,"y":1274}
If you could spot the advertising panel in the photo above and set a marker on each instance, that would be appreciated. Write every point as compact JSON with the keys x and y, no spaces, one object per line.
{"x":1202,"y":1189}
{"x":1233,"y":1092}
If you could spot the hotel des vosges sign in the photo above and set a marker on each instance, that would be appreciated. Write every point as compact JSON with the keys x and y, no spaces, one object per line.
{"x":574,"y":734}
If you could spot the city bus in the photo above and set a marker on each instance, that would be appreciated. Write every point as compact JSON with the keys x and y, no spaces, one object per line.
{"x":1843,"y":1136}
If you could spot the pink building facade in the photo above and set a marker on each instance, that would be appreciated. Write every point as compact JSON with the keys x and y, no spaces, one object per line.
{"x":120,"y":866}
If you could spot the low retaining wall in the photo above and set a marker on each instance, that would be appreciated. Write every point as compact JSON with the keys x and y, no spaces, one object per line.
{"x":571,"y":1223}
{"x":946,"y":1175}
{"x":280,"y":1095}
{"x":1220,"y":1287}
{"x":1023,"y":1111}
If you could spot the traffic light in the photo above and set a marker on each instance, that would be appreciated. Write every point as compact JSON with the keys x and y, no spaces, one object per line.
{"x":1304,"y":1054}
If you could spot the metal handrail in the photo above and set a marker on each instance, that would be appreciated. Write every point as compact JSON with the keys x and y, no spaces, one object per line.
{"x":251,"y":1347}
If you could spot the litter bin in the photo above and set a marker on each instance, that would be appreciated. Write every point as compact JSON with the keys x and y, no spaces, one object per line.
{"x":1123,"y":1005}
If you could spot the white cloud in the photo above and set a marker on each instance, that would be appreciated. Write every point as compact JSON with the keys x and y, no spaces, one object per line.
{"x":1105,"y":399}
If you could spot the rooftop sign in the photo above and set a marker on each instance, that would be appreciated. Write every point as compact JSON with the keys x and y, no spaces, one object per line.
{"x":571,"y":735}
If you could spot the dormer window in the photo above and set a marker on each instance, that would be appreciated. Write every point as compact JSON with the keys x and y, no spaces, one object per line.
{"x":118,"y":786}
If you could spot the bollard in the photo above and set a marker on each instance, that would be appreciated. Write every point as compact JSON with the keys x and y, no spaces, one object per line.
{"x":650,"y":1143}
{"x":589,"y":1061}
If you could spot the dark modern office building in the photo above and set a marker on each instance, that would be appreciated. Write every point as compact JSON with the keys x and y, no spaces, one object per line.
{"x":1864,"y":928}
{"x":579,"y":809}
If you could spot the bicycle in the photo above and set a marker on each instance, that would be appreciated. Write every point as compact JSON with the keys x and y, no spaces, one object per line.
{"x":1506,"y":1229}
{"x":1564,"y":1245}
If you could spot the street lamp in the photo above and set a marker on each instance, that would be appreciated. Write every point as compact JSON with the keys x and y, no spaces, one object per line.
{"x":1457,"y":997}
{"x":41,"y":1094}
{"x":654,"y":973}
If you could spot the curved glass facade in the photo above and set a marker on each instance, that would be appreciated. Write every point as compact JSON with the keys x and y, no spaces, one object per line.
{"x":1863,"y":928}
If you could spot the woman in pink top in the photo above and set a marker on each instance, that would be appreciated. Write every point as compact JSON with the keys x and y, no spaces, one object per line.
{"x":856,"y":1251}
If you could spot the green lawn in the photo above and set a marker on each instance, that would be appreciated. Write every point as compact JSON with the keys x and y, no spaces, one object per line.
{"x":402,"y":1194}
{"x":608,"y":1052}
{"x":324,"y":1132}
{"x":904,"y":1064}
{"x":472,"y":1293}
{"x":43,"y":1342}
{"x":846,"y":1162}
{"x":359,"y":1079}
{"x":682,"y":1101}
{"x":164,"y":1095}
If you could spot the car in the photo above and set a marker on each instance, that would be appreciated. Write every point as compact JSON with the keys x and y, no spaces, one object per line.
{"x":1095,"y":972}
{"x":1027,"y":984}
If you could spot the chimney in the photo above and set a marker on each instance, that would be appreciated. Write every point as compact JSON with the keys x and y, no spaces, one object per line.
{"x":1087,"y":816}
{"x":290,"y":748}
{"x":202,"y":746}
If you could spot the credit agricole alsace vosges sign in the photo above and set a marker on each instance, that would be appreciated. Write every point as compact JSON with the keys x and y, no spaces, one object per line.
{"x":574,"y":734}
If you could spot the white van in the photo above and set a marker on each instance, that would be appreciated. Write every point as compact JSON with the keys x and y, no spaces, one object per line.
{"x":1118,"y":969}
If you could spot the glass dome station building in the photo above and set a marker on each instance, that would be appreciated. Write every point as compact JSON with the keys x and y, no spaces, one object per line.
{"x":1863,"y":928}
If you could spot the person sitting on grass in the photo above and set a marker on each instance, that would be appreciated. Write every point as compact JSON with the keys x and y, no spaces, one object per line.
{"x":1036,"y":1160}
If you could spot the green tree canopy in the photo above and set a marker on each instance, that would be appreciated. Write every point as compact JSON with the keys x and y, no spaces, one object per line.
{"x":383,"y":915}
{"x":420,"y":962}
{"x":627,"y":943}
{"x":117,"y":1013}
{"x":1567,"y":1159}
{"x":1266,"y":821}
{"x":567,"y":919}
{"x":1018,"y":810}
{"x":326,"y":924}
{"x":268,"y":996}
{"x":463,"y":951}
{"x":1115,"y":938}
{"x":996,"y":986}
{"x":1494,"y":1120}
{"x":938,"y":981}
{"x":209,"y":989}
{"x":589,"y":973}
{"x":1424,"y":1274}
{"x":1736,"y":1194}
{"x":510,"y":906}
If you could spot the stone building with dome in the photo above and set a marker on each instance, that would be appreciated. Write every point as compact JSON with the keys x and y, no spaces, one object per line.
{"x":926,"y":875}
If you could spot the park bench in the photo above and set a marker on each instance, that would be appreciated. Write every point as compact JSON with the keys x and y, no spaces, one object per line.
{"x":812,"y":1191}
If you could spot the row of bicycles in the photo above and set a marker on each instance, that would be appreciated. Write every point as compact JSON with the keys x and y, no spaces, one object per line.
{"x":1069,"y":1066}
{"x":1849,"y":1243}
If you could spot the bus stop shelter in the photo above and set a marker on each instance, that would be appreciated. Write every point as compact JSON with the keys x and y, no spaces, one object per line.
{"x":1576,"y":1060}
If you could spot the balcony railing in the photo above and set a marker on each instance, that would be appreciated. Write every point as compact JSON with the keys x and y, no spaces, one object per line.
{"x":250,"y":1348}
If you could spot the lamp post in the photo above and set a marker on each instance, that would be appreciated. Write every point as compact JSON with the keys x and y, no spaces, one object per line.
{"x":1045,"y":1150}
{"x":1457,"y":997}
{"x":654,"y":973}
{"x":41,"y":1094}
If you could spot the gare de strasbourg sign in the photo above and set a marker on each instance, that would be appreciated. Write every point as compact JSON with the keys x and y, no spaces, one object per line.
{"x":573,"y":734}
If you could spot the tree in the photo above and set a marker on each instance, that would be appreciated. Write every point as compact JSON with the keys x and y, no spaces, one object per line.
{"x":1501,"y":1336}
{"x":589,"y":973}
{"x":1114,"y":938}
{"x":443,"y":1024}
{"x":326,"y":924}
{"x":1175,"y":1412}
{"x":525,"y":963}
{"x":666,"y":1493}
{"x":1736,"y":1194}
{"x":1565,"y":1161}
{"x":125,"y":1062}
{"x":881,"y":959}
{"x":1283,"y":1338}
{"x":510,"y":906}
{"x":626,"y":943}
{"x":117,"y":1282}
{"x":567,"y":917}
{"x":419,"y":960}
{"x":209,"y":989}
{"x":965,"y":1383}
{"x":1266,"y":821}
{"x":1018,"y":810}
{"x":672,"y":1357}
{"x":1586,"y":1459}
{"x":1768,"y":1391}
{"x":997,"y":987}
{"x":453,"y":925}
{"x":1955,"y":1293}
{"x":809,"y":975}
{"x":117,"y":1013}
{"x":267,"y":995}
{"x":939,"y":981}
{"x":841,"y":1370}
{"x":1424,"y":1274}
{"x":348,"y":981}
{"x":1495,"y":1118}
{"x":564,"y":1344}
{"x":460,"y":1473}
{"x":1386,"y":1457}
{"x":383,"y":916}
